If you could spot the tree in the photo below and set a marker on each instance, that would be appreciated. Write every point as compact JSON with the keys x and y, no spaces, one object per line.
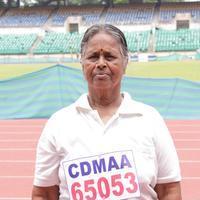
{"x":120,"y":1}
{"x":2,"y":4}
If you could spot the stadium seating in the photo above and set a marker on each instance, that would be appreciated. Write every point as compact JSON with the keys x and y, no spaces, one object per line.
{"x":180,"y":40}
{"x":25,"y":17}
{"x":56,"y":43}
{"x":127,"y":15}
{"x":168,"y":11}
{"x":16,"y":44}
{"x":59,"y":43}
{"x":131,"y":14}
{"x":90,"y":14}
{"x":138,"y":41}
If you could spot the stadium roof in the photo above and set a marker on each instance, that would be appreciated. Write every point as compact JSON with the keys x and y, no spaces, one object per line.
{"x":18,"y":3}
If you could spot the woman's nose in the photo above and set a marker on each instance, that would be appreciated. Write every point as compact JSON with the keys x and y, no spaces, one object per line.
{"x":101,"y":63}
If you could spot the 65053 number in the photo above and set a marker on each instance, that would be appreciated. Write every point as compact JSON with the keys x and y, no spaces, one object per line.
{"x":104,"y":187}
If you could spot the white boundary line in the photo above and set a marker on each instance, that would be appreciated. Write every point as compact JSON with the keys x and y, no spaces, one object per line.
{"x":189,"y":161}
{"x":184,"y":132}
{"x":23,"y":124}
{"x":189,"y":178}
{"x":17,"y":149}
{"x":19,"y":140}
{"x":174,"y":124}
{"x":16,"y":161}
{"x":16,"y":177}
{"x":187,"y":140}
{"x":188,"y":149}
{"x":30,"y":140}
{"x":20,"y":133}
{"x":21,"y":177}
{"x":14,"y":198}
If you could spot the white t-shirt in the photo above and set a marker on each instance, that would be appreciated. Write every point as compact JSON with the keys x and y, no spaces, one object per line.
{"x":76,"y":145}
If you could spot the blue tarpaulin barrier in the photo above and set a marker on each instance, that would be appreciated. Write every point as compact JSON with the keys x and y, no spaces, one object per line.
{"x":40,"y":94}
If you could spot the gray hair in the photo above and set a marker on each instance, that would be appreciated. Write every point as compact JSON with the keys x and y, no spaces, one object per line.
{"x":107,"y":28}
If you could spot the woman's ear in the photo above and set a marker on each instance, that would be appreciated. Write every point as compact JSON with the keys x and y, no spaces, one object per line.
{"x":81,"y":62}
{"x":82,"y":66}
{"x":125,"y":63}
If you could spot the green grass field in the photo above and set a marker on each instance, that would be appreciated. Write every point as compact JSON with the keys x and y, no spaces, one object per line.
{"x":189,"y":70}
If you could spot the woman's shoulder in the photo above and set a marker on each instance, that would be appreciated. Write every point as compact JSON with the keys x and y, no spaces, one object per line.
{"x":64,"y":112}
{"x":139,"y":106}
{"x":70,"y":110}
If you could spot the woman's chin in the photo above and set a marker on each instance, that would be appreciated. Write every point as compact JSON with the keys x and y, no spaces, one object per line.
{"x":102,"y":86}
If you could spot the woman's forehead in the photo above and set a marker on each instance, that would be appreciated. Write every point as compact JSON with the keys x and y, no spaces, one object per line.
{"x":103,"y":36}
{"x":101,"y":48}
{"x":108,"y":42}
{"x":103,"y":41}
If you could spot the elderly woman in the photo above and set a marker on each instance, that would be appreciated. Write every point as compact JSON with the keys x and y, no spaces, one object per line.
{"x":106,"y":145}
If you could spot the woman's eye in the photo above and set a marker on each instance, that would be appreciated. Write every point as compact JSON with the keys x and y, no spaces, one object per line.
{"x":110,"y":58}
{"x":93,"y":58}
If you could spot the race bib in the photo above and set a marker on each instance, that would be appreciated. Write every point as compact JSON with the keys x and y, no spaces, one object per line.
{"x":106,"y":176}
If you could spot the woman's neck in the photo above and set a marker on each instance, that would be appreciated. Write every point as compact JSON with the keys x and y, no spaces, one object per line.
{"x":104,"y":98}
{"x":105,"y":102}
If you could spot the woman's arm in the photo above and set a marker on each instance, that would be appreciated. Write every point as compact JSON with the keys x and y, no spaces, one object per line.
{"x":45,"y":193}
{"x":168,"y":191}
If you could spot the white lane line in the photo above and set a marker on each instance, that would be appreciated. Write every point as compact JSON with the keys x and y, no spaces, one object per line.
{"x":17,"y":161}
{"x":194,"y":123}
{"x":19,"y":140}
{"x":188,"y":149}
{"x":181,"y":125}
{"x":187,"y":140}
{"x":33,"y":161}
{"x":14,"y":198}
{"x":183,"y":131}
{"x":21,"y":177}
{"x":189,"y":161}
{"x":20,"y":133}
{"x":190,"y":178}
{"x":17,"y":149}
{"x":27,"y":177}
{"x":21,"y":125}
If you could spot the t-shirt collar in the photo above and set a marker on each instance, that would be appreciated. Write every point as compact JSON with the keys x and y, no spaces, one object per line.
{"x":128,"y":105}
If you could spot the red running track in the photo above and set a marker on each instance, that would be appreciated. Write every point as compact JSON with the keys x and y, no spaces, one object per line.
{"x":18,"y":139}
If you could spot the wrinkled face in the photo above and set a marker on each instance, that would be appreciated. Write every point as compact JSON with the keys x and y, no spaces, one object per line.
{"x":102,"y":61}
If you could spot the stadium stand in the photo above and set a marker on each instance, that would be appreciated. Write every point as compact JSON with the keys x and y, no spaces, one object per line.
{"x":16,"y":44}
{"x":55,"y":43}
{"x":131,"y":14}
{"x":140,"y":22}
{"x":59,"y":43}
{"x":138,"y":41}
{"x":70,"y":42}
{"x":90,"y":14}
{"x":177,"y":40}
{"x":168,"y":11}
{"x":27,"y":17}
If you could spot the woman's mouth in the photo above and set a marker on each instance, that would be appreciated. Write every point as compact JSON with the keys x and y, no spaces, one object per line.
{"x":101,"y":76}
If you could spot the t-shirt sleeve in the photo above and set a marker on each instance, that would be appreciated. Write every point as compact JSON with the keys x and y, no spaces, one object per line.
{"x":167,"y":159}
{"x":47,"y":160}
